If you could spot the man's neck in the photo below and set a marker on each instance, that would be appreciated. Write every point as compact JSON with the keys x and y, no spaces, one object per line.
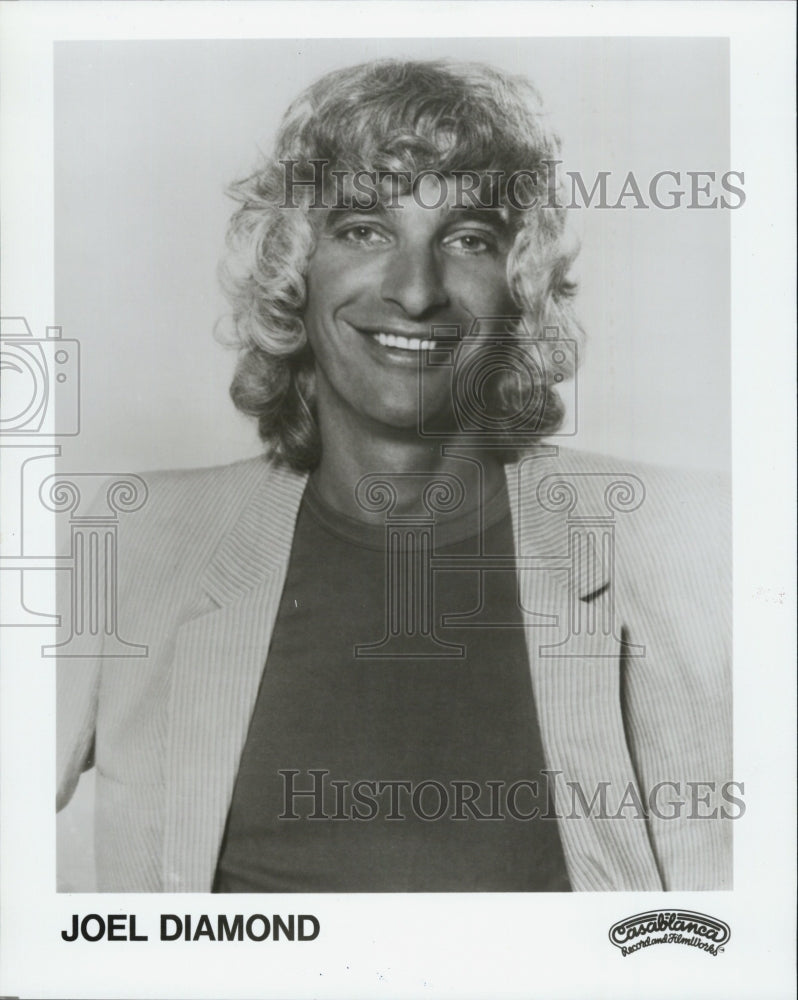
{"x":353,"y":449}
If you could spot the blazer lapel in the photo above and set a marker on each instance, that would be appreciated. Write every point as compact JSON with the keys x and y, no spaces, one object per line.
{"x":218,"y":663}
{"x":575,"y":667}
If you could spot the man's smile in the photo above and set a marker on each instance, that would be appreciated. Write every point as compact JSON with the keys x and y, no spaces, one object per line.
{"x":397,"y":343}
{"x":402,"y":343}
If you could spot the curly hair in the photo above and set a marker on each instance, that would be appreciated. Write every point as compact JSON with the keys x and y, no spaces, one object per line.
{"x":396,"y":116}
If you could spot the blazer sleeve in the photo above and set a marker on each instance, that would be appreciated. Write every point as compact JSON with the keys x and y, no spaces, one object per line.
{"x":77,"y":686}
{"x":77,"y":682}
{"x":677,"y":695}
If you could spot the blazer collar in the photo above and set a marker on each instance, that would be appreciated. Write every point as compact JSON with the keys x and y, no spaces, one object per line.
{"x":218,"y":662}
{"x":546,"y":506}
{"x":259,"y":543}
{"x":560,"y":516}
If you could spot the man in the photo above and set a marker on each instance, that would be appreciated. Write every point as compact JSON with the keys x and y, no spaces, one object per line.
{"x":409,"y":651}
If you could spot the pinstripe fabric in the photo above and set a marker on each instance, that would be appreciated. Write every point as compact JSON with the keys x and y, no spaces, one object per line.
{"x":202,"y":567}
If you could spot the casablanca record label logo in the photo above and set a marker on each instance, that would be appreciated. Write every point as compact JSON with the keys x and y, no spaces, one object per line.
{"x":697,"y":930}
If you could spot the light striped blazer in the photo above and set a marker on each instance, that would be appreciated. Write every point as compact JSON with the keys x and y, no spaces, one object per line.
{"x":625,"y":591}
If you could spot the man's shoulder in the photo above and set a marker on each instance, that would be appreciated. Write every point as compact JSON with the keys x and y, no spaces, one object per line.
{"x":670,"y":510}
{"x":234,"y":480}
{"x":230,"y":477}
{"x":694,"y":481}
{"x":201,"y":504}
{"x":654,"y":486}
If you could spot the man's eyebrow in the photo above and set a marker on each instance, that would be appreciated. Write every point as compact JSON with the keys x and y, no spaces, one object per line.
{"x":336,"y":216}
{"x":494,"y":218}
{"x":497,"y":218}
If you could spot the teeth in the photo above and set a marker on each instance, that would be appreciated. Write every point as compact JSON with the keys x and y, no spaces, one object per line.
{"x":403,"y":343}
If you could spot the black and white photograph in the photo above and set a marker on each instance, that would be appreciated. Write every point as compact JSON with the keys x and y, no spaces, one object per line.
{"x":422,"y":641}
{"x":374,"y":508}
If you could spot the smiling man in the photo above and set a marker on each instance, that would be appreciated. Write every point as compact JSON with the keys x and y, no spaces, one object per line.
{"x":408,"y":650}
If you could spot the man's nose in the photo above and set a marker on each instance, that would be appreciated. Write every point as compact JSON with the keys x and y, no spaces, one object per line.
{"x":414,"y":281}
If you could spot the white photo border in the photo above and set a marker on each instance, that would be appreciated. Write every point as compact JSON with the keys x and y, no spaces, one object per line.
{"x":431,"y":945}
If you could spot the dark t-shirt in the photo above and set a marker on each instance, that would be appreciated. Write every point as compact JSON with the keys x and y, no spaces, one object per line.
{"x":446,"y":736}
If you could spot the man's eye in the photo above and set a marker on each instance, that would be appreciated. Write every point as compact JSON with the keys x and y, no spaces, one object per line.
{"x":362,"y":235}
{"x":470,"y":243}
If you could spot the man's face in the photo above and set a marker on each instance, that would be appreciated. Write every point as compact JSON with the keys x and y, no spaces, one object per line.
{"x":377,"y":283}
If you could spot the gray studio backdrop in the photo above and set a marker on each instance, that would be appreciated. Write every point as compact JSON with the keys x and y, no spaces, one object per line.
{"x":149,"y":133}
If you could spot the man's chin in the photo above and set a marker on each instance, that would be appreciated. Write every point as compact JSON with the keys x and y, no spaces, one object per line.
{"x":409,"y":423}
